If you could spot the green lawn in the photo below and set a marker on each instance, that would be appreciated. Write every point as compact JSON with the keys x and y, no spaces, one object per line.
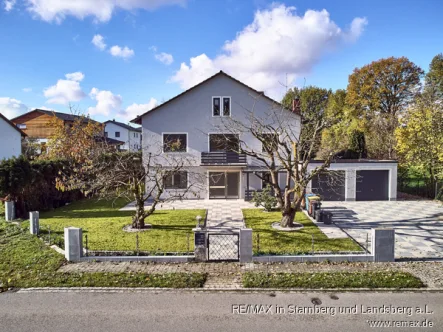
{"x":272,"y":241}
{"x":103,"y":224}
{"x":25,"y":261}
{"x":372,"y":279}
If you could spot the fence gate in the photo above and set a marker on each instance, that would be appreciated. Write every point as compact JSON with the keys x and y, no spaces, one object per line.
{"x":223,"y":247}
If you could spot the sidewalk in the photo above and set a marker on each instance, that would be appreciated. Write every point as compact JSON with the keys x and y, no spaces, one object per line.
{"x":228,"y":275}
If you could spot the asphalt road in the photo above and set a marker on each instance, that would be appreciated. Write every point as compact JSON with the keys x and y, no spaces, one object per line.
{"x":178,"y":311}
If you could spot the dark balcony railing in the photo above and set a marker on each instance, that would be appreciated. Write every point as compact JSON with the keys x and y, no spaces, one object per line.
{"x":222,"y":158}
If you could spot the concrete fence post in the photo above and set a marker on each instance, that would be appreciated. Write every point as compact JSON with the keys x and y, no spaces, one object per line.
{"x":383,"y":244}
{"x":34,"y":222}
{"x":9,"y":210}
{"x":200,"y":245}
{"x":245,"y":245}
{"x":73,"y":244}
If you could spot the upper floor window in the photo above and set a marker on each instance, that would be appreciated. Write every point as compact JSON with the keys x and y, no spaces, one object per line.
{"x":117,"y":134}
{"x":226,"y":106}
{"x":221,"y":106}
{"x":106,"y":134}
{"x":216,"y":106}
{"x":21,"y":126}
{"x":175,"y":142}
{"x":224,"y":142}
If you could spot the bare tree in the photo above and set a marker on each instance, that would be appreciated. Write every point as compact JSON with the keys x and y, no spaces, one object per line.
{"x":97,"y":168}
{"x":287,"y":144}
{"x":155,"y":179}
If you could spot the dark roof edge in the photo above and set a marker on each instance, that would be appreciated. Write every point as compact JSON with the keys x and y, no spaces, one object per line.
{"x":359,"y":161}
{"x":123,"y":125}
{"x":137,"y":120}
{"x":13,"y":125}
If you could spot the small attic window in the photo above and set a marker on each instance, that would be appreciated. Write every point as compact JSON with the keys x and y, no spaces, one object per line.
{"x":21,"y":126}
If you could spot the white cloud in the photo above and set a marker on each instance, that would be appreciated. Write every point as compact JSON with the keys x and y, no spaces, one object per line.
{"x":165,"y":58}
{"x":9,"y":4}
{"x":11,"y":107}
{"x":124,"y":52}
{"x":27,"y":89}
{"x":99,"y":42}
{"x":66,"y":91}
{"x":153,"y":48}
{"x":132,"y":111}
{"x":77,"y":76}
{"x":107,"y":102}
{"x":100,"y":10}
{"x":277,"y":44}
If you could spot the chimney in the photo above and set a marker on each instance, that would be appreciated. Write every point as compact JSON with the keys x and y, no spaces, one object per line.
{"x":296,"y":105}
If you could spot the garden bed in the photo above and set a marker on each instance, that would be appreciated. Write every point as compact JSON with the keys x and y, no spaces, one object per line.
{"x":371,"y":279}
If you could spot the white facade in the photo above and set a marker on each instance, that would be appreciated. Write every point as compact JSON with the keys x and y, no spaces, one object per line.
{"x":191,"y":114}
{"x":11,"y":140}
{"x":132,"y":139}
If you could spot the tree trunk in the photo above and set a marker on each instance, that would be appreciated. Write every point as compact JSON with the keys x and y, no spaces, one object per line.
{"x":138,"y":220}
{"x":288,"y":216}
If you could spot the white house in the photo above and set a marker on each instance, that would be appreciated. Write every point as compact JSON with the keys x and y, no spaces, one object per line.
{"x":130,"y":136}
{"x":11,"y":139}
{"x":194,"y":118}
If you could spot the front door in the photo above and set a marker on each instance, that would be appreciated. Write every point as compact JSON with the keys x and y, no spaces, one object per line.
{"x":224,"y":185}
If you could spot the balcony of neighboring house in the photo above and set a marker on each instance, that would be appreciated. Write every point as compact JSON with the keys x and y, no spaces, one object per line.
{"x":222,"y":151}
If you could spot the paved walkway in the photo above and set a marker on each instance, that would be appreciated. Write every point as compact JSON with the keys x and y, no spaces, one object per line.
{"x":222,"y":213}
{"x":418,"y":224}
{"x":229,"y":275}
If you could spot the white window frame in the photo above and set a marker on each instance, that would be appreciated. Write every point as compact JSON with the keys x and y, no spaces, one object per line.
{"x":175,"y":188}
{"x":175,"y":133}
{"x":230,"y":107}
{"x":212,"y":106}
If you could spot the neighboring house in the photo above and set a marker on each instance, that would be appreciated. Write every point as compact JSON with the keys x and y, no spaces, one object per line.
{"x":193,"y":119}
{"x":130,"y":136}
{"x":36,"y":124}
{"x":11,"y":139}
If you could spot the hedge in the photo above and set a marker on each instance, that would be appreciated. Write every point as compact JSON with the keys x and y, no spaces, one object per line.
{"x":31,"y":184}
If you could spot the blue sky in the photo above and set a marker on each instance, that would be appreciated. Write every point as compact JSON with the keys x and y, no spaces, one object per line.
{"x":151,"y":50}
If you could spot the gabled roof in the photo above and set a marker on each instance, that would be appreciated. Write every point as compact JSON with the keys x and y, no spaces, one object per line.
{"x":12,"y":125}
{"x":59,"y":115}
{"x":108,"y":140}
{"x":123,"y":125}
{"x":220,"y":73}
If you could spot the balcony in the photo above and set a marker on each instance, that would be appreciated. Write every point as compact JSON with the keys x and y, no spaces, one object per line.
{"x":220,"y":158}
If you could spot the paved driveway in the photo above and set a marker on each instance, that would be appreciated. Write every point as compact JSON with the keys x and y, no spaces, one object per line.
{"x":418,"y":224}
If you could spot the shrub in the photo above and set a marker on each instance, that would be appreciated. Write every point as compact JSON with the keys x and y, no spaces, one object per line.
{"x":31,"y":184}
{"x":265,"y":198}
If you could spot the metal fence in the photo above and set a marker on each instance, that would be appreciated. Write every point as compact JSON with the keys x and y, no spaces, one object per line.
{"x":90,"y":249}
{"x":422,"y":187}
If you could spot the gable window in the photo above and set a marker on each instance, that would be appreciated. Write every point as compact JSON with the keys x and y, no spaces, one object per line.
{"x":175,"y":142}
{"x":117,"y":134}
{"x":271,"y":142}
{"x":216,"y":101}
{"x":177,"y":180}
{"x":226,"y":106}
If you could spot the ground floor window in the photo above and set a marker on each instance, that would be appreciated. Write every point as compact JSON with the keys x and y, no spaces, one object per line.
{"x":266,"y":179}
{"x":177,"y":180}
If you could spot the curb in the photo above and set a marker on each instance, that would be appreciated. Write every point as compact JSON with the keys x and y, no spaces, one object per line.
{"x":221,"y":290}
